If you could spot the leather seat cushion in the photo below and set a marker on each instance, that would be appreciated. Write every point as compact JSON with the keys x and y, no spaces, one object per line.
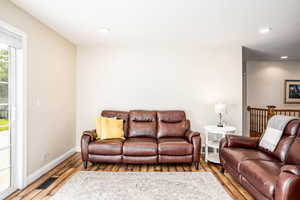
{"x":234,"y":156}
{"x":175,"y":159}
{"x":252,"y":189}
{"x":106,"y":147}
{"x":140,"y":159}
{"x":140,"y":147}
{"x":174,"y":147}
{"x":261,"y":174}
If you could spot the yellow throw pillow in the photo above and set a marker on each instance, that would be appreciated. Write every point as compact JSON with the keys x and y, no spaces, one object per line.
{"x":98,"y":127}
{"x":111,"y":128}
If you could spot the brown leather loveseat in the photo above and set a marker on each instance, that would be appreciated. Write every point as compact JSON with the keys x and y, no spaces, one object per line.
{"x":266,"y":175}
{"x":150,"y":137}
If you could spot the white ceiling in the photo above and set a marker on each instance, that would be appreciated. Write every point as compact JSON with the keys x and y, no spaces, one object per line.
{"x":176,"y":22}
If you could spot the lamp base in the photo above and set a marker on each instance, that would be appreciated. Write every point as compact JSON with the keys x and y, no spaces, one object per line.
{"x":220,"y":123}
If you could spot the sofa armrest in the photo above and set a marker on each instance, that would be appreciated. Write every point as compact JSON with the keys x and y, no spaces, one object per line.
{"x":190,"y":134}
{"x":292,"y":169}
{"x":92,"y":134}
{"x":223,"y":143}
{"x":242,"y":141}
{"x":194,"y":138}
{"x":288,"y":183}
{"x":86,"y":138}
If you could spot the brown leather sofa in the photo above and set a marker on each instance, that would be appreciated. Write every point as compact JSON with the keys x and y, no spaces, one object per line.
{"x":266,"y":175}
{"x":150,"y":137}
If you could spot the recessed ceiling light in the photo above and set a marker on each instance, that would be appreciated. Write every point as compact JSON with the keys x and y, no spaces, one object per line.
{"x":284,"y":57}
{"x":265,"y":30}
{"x":103,"y":30}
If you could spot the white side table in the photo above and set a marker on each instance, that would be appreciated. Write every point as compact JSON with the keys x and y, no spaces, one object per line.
{"x":213,"y":135}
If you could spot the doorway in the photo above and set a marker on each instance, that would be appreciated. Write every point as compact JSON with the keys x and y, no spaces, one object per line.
{"x":7,"y":126}
{"x":12,"y":134}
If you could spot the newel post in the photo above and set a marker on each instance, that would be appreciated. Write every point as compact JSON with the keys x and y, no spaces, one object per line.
{"x":248,"y":108}
{"x":271,"y":111}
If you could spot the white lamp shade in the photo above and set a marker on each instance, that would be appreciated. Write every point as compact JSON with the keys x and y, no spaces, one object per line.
{"x":220,"y":108}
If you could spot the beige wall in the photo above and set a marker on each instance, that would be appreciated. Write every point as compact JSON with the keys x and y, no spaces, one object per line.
{"x":265,"y":82}
{"x":126,"y":78}
{"x":51,"y":88}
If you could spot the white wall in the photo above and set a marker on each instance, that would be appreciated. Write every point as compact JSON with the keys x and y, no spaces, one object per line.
{"x":127,"y":78}
{"x":265,"y":82}
{"x":51,"y":81}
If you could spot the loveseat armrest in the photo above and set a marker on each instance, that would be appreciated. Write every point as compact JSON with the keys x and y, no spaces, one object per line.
{"x":190,"y":134}
{"x":288,"y":183}
{"x":242,"y":141}
{"x":292,"y":169}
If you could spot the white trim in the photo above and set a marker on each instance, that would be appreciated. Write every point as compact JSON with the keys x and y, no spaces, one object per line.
{"x":38,"y":173}
{"x":12,"y":92}
{"x":21,"y":104}
{"x":7,"y":193}
{"x":78,"y":149}
{"x":21,"y":118}
{"x":10,"y":38}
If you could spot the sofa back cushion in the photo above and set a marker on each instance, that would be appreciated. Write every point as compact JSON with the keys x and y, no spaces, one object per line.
{"x":292,"y":128}
{"x":119,"y":115}
{"x":142,"y":124}
{"x":293,"y":156}
{"x":171,"y":124}
{"x":286,"y":140}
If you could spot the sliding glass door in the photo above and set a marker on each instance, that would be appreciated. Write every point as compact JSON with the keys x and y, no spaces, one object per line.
{"x":5,"y":134}
{"x":7,"y":117}
{"x":11,"y":156}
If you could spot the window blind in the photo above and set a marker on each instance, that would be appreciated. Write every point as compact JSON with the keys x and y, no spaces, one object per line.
{"x":10,"y":39}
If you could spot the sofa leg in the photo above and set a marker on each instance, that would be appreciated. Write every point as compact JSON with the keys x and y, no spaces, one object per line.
{"x":197,"y":165}
{"x":222,"y":170}
{"x":85,"y":164}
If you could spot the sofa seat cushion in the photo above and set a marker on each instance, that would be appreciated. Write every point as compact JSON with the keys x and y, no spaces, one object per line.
{"x":106,"y":147}
{"x":140,"y":147}
{"x":261,"y":174}
{"x":174,"y":147}
{"x":234,"y":156}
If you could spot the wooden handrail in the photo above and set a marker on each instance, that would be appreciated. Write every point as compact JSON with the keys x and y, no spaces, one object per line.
{"x":259,"y":117}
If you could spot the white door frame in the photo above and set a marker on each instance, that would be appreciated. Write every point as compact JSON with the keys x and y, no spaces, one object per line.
{"x":20,"y":142}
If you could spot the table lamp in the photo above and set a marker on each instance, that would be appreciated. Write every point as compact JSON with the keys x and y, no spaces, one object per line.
{"x":220,"y":109}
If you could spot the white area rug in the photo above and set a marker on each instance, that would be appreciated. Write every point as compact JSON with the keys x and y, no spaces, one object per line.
{"x":142,"y":186}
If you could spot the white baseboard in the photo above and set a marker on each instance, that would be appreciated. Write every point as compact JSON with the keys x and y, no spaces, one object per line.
{"x":38,"y":173}
{"x":78,"y":149}
{"x":7,"y":193}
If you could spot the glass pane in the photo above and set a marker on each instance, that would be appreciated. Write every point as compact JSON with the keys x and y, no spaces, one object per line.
{"x":4,"y":138}
{"x":4,"y":179}
{"x":5,"y":146}
{"x":5,"y":158}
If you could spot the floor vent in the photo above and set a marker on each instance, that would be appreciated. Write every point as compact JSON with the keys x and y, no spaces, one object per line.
{"x":46,"y":184}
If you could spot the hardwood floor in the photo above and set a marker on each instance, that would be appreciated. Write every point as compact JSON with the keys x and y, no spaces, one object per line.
{"x":64,"y":171}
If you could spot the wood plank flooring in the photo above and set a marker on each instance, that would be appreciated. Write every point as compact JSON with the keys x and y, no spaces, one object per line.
{"x":64,"y":171}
